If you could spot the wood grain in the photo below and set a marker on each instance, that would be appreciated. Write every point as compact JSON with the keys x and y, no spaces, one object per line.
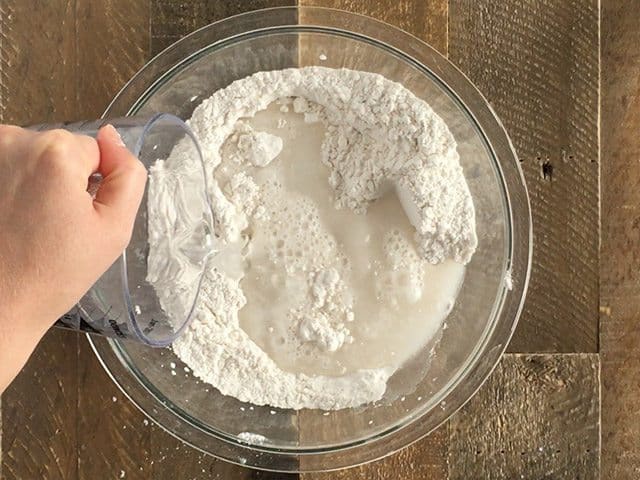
{"x":173,"y":459}
{"x":173,"y":19}
{"x":3,"y":95}
{"x":536,"y":417}
{"x":426,"y":20}
{"x":620,"y":248}
{"x":105,"y":66}
{"x":39,"y":412}
{"x":537,"y":63}
{"x":38,"y":61}
{"x":39,"y":408}
{"x":113,"y":435}
{"x":426,"y":459}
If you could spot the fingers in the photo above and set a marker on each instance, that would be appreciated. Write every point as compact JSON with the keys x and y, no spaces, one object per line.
{"x":10,"y":136}
{"x":62,"y":150}
{"x":124,"y":177}
{"x":89,"y":153}
{"x":10,"y":133}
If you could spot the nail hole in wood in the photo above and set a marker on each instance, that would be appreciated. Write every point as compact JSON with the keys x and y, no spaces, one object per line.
{"x":547,"y":170}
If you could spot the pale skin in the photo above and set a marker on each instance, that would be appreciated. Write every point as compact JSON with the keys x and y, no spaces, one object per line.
{"x":55,"y":239}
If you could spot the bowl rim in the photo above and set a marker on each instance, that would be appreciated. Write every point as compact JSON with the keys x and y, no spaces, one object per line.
{"x":110,"y":353}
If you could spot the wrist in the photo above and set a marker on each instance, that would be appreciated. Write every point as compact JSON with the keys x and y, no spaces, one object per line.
{"x":19,"y":336}
{"x":21,"y":317}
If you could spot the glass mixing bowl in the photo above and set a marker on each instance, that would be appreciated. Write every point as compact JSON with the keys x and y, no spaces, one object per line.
{"x":436,"y":382}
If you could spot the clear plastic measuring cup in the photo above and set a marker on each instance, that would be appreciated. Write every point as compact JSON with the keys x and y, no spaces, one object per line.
{"x":122,"y":303}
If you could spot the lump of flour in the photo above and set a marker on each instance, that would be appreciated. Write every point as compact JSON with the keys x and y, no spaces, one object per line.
{"x":258,"y":148}
{"x":379,"y":138}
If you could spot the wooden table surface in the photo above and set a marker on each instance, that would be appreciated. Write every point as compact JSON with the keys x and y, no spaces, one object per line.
{"x":564,"y":77}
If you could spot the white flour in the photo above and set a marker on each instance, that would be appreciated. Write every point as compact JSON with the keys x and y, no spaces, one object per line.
{"x":252,"y":438}
{"x":379,"y":139}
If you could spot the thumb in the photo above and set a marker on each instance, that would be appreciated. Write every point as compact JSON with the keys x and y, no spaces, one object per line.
{"x":123,"y":179}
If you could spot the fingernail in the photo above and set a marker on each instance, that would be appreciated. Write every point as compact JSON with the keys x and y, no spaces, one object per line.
{"x":119,"y":141}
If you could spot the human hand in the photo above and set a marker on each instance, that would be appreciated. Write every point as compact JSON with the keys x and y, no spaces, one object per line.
{"x":55,"y":239}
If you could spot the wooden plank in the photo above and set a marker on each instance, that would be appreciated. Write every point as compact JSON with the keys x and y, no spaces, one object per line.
{"x":426,"y":20}
{"x":173,"y":19}
{"x":537,"y":63}
{"x":38,"y":414}
{"x":113,"y":436}
{"x":426,"y":459}
{"x":536,"y":417}
{"x":620,"y":257}
{"x":38,"y":61}
{"x":3,"y":95}
{"x":173,"y":459}
{"x":170,"y":21}
{"x":106,"y":418}
{"x":105,"y":66}
{"x":39,"y":411}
